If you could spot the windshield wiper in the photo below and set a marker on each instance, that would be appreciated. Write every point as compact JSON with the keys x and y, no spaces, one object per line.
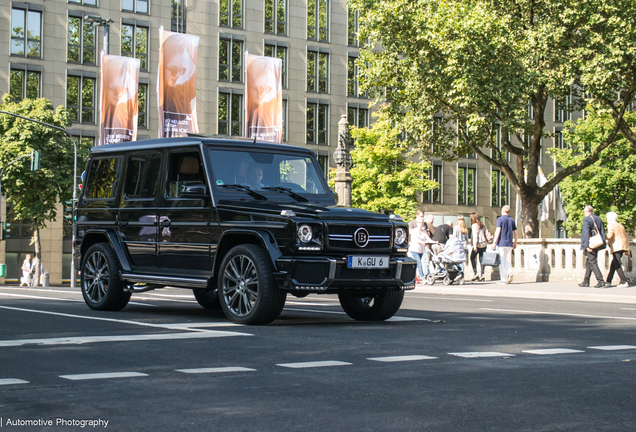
{"x":288,"y":191}
{"x":244,"y":188}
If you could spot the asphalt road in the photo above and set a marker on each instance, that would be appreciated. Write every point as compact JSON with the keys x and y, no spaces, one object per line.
{"x":445,"y":363}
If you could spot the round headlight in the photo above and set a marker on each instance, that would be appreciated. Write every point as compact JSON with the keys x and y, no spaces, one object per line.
{"x":305,"y":233}
{"x":400,"y":236}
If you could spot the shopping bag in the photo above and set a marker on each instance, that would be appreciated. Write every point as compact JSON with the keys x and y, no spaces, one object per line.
{"x":490,"y":259}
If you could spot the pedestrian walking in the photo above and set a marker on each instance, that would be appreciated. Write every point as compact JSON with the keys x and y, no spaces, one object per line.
{"x":418,"y":248}
{"x":441,"y":236}
{"x":419,"y":217}
{"x":505,"y":241}
{"x":618,"y":244}
{"x":592,"y":241}
{"x":25,"y":280}
{"x":461,"y":232}
{"x":479,"y":242}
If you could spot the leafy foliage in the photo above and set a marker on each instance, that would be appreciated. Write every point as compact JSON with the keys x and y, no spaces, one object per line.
{"x":384,"y":178}
{"x":34,"y":194}
{"x":480,"y":76}
{"x":607,"y":185}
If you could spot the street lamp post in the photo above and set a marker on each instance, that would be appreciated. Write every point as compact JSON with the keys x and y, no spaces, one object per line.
{"x":74,"y":183}
{"x":101,"y":22}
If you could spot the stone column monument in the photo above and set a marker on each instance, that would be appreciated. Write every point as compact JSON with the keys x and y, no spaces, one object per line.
{"x":343,"y":164}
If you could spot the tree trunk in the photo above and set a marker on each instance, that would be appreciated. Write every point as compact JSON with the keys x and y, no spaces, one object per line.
{"x":38,"y":255}
{"x":529,"y":217}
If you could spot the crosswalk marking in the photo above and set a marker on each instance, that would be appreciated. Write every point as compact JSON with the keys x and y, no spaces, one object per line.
{"x":613,"y":347}
{"x":216,"y":370}
{"x":315,"y":364}
{"x":552,"y":351}
{"x":11,"y":381}
{"x":401,"y":358}
{"x":80,"y":377}
{"x":481,"y":354}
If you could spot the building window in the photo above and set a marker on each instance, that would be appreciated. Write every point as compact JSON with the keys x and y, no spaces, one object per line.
{"x":500,"y":189}
{"x":318,"y":20}
{"x":317,"y":72}
{"x":82,"y":39}
{"x":26,"y":31}
{"x":84,"y":2}
{"x":142,"y":106}
{"x":530,"y":111}
{"x":284,"y":120}
{"x":275,"y":17}
{"x":434,"y":196}
{"x":317,"y":115}
{"x":280,"y":52}
{"x":134,"y":43}
{"x":230,"y":121}
{"x":323,"y":161}
{"x":80,"y":98}
{"x":178,"y":16}
{"x":352,"y":77}
{"x":353,"y":28}
{"x":561,"y":109}
{"x":230,"y":60}
{"x":24,"y":83}
{"x":137,"y":6}
{"x":358,"y":117}
{"x":231,"y":13}
{"x":466,"y":179}
{"x":504,"y":153}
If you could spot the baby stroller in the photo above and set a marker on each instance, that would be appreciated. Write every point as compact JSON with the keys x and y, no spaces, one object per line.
{"x":446,"y":265}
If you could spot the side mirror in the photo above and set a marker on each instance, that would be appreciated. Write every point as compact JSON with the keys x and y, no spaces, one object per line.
{"x":193,"y":190}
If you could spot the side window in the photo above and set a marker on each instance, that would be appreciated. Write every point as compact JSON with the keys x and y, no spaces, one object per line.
{"x":102,"y":178}
{"x":183,"y":168}
{"x":142,"y":175}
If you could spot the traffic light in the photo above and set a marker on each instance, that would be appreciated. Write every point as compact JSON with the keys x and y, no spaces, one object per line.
{"x":68,"y":210}
{"x":6,"y":231}
{"x":35,"y":160}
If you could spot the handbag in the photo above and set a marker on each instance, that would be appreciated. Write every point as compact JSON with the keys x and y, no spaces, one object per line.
{"x":491,"y":259}
{"x":482,"y":242}
{"x":596,"y":240}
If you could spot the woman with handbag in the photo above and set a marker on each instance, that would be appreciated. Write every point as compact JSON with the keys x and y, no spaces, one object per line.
{"x":479,"y":244}
{"x":592,"y":241}
{"x":618,"y":243}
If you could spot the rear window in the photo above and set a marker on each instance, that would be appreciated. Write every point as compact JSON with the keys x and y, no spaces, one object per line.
{"x":102,"y":178}
{"x":142,"y":175}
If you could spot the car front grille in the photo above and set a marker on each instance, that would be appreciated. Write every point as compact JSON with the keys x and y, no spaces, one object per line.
{"x":341,"y":236}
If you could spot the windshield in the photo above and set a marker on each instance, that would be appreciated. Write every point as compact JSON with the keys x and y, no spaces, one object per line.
{"x":263,"y":171}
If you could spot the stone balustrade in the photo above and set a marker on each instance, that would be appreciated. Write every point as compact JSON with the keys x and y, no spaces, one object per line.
{"x":557,"y":260}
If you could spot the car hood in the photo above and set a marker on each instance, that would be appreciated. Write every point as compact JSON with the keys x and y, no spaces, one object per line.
{"x":319,"y":211}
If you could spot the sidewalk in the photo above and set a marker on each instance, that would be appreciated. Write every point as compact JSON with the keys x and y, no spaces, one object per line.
{"x":532,"y":290}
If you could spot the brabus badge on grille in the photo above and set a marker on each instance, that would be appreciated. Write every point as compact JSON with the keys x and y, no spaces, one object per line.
{"x":361,"y":237}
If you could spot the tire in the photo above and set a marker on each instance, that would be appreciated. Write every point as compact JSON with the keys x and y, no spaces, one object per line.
{"x":207,"y":298}
{"x":461,"y":280}
{"x":246,"y":287}
{"x":430,"y":279}
{"x":447,"y":280}
{"x":371,"y":308}
{"x":101,"y":287}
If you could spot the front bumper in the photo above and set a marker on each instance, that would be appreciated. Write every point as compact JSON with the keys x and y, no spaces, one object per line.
{"x":328,"y":274}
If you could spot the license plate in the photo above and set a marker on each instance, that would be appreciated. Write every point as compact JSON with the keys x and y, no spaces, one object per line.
{"x":368,"y":262}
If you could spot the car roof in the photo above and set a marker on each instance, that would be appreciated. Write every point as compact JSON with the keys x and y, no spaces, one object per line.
{"x":243,"y":143}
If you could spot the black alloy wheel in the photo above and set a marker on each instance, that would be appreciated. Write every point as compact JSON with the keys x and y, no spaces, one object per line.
{"x":101,"y":287}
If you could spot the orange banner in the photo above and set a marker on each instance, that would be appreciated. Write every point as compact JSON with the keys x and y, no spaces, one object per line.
{"x":118,"y":99}
{"x":264,"y":98}
{"x":176,"y":84}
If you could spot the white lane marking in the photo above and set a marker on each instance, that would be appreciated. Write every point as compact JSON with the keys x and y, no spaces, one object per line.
{"x":441,"y":297}
{"x":401,"y":358}
{"x":613,"y":347}
{"x":552,"y":351}
{"x":394,"y":318}
{"x":120,"y":338}
{"x":196,"y":325}
{"x":39,"y":297}
{"x":310,"y":304}
{"x":558,"y":313}
{"x":401,"y":318}
{"x":107,"y":375}
{"x":628,"y":308}
{"x":11,"y":381}
{"x":315,"y":364}
{"x":42,"y":290}
{"x":478,"y":354}
{"x":141,"y":304}
{"x":216,"y":370}
{"x":139,"y":323}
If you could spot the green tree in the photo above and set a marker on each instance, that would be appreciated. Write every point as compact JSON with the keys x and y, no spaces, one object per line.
{"x":384,"y":178}
{"x":34,"y":194}
{"x":464,"y":76}
{"x":607,"y":185}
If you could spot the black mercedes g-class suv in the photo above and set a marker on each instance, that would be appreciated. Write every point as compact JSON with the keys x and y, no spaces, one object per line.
{"x":241,"y":223}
